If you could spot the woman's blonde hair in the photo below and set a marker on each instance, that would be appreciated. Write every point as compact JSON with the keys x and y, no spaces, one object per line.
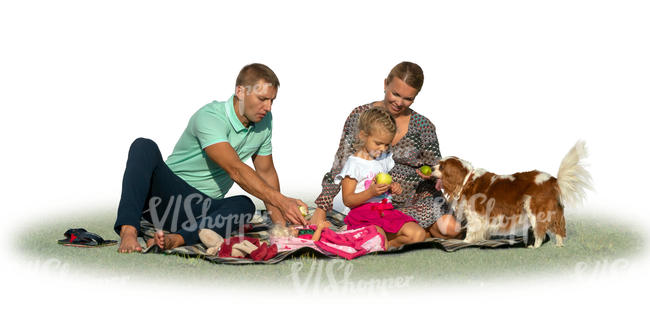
{"x":374,"y":119}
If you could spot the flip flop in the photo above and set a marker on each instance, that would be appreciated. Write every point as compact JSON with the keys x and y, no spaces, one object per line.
{"x":72,"y":234}
{"x":79,"y":237}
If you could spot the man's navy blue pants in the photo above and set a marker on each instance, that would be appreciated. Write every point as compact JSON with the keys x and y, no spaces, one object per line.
{"x":150,"y":190}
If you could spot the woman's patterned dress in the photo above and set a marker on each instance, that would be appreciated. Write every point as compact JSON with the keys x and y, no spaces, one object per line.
{"x":418,"y":147}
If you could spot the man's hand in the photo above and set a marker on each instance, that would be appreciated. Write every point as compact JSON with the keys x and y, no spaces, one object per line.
{"x":396,"y":188}
{"x":290,"y":208}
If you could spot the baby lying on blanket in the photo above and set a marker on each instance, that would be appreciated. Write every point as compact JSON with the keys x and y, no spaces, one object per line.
{"x":347,"y":244}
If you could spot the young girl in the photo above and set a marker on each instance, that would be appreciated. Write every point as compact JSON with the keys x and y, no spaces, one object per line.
{"x":370,"y":202}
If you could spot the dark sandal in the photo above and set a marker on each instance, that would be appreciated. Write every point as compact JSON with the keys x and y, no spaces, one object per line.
{"x":72,"y":234}
{"x":79,"y":237}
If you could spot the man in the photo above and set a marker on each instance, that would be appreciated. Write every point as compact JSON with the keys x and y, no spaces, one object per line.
{"x":186,"y":193}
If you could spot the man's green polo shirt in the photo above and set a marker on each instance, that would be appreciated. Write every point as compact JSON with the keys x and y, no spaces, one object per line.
{"x":213,"y":123}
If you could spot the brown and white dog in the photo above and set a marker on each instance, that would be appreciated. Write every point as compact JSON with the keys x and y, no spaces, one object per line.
{"x":502,"y":204}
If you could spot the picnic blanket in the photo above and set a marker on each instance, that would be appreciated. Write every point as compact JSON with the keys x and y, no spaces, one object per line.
{"x":261,"y":226}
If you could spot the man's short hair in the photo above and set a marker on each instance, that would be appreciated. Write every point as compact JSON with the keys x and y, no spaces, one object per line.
{"x":252,"y":73}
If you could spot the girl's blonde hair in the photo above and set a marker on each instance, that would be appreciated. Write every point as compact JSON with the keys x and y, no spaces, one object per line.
{"x":374,"y":119}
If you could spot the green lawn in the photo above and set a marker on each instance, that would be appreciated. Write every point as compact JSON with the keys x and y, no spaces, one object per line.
{"x":591,"y":241}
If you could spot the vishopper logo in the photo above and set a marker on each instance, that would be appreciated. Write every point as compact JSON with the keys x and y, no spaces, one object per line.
{"x":401,"y":151}
{"x":60,"y":269}
{"x":601,"y":268}
{"x":334,"y":277}
{"x":177,"y":205}
{"x":258,"y":88}
{"x":50,"y":265}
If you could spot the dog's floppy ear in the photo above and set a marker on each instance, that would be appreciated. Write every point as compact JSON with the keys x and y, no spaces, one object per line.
{"x":453,"y":174}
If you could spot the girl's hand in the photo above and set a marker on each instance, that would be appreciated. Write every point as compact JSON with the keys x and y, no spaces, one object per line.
{"x":318,"y":217}
{"x":396,"y":188}
{"x":378,"y":189}
{"x":324,"y":224}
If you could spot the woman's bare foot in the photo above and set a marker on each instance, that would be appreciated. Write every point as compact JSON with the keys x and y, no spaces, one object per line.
{"x":129,"y":240}
{"x":446,"y":227}
{"x":166,"y":242}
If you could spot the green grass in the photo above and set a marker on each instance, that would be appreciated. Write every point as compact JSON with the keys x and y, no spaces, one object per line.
{"x":592,"y":240}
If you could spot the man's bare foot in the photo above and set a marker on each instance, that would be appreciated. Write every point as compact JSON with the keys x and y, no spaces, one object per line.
{"x":166,"y":242}
{"x":129,"y":240}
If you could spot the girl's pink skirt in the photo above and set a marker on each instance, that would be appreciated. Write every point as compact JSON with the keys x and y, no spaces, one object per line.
{"x":380,"y":214}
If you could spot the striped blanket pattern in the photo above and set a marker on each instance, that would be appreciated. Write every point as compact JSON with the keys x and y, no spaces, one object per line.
{"x":261,"y":226}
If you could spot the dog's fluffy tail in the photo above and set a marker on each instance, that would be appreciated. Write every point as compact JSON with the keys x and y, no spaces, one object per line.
{"x":573,"y":178}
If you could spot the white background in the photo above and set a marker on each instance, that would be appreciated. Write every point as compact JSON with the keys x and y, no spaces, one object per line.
{"x":510,"y":86}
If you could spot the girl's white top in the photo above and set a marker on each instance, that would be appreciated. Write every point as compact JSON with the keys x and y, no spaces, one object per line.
{"x":363,"y":171}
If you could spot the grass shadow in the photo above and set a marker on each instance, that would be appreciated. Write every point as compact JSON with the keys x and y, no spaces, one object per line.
{"x":591,"y":239}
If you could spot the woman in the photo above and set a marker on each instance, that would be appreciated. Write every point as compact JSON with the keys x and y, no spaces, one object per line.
{"x":415,"y":144}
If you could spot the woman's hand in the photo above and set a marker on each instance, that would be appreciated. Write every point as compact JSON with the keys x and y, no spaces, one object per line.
{"x":424,"y":176}
{"x":378,"y":189}
{"x":396,"y":188}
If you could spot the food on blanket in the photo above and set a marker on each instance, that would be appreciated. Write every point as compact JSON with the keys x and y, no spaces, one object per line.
{"x":383,"y":178}
{"x":304,"y":211}
{"x":426,"y":170}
